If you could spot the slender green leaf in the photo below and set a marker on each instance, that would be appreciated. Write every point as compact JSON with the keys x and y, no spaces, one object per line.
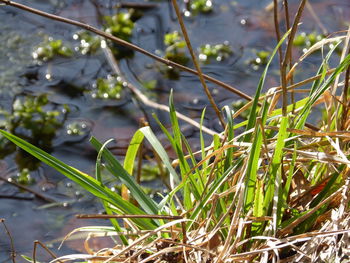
{"x":115,"y":168}
{"x":253,"y":111}
{"x":84,"y":180}
{"x":105,"y":204}
{"x":131,"y":153}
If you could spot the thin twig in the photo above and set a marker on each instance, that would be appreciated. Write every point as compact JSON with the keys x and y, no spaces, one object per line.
{"x":287,"y":56}
{"x":346,"y":103}
{"x":41,"y":196}
{"x":277,"y":29}
{"x":194,"y":59}
{"x":98,"y":216}
{"x":114,"y":65}
{"x":13,"y":251}
{"x":124,"y":43}
{"x":286,"y":13}
{"x":36,"y":243}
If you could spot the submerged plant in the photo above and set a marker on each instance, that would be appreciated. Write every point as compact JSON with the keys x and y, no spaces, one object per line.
{"x":176,"y":52}
{"x":108,"y":88}
{"x":218,"y":52}
{"x":23,"y":177}
{"x":88,"y":43}
{"x":201,"y":6}
{"x":35,"y":119}
{"x":77,"y":128}
{"x":305,"y":40}
{"x":260,"y":60}
{"x":175,"y":48}
{"x":119,"y":25}
{"x":50,"y":48}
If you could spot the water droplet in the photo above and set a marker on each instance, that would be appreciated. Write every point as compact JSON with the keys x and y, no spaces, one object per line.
{"x":209,"y":3}
{"x":187,"y":13}
{"x":202,"y":57}
{"x":103,"y":44}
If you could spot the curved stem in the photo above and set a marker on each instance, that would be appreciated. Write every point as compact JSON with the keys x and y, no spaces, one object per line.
{"x":195,"y":62}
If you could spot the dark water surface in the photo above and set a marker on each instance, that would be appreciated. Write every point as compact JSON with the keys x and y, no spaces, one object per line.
{"x":245,"y":24}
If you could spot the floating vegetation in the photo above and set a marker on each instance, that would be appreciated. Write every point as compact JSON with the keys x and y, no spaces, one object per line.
{"x":88,"y":42}
{"x":35,"y":119}
{"x":199,"y":6}
{"x":307,"y":40}
{"x":175,"y":50}
{"x":77,"y":128}
{"x":218,"y":52}
{"x":32,"y":118}
{"x":119,"y":25}
{"x":108,"y":88}
{"x":261,"y":59}
{"x":23,"y":177}
{"x":50,"y":48}
{"x":149,"y":85}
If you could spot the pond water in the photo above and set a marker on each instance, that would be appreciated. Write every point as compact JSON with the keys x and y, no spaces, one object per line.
{"x":247,"y":25}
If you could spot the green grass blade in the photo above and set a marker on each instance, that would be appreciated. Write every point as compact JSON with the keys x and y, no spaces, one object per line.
{"x":115,"y":168}
{"x":202,"y":142}
{"x":253,"y":163}
{"x":212,"y":190}
{"x":105,"y":204}
{"x":275,"y":166}
{"x":230,"y":136}
{"x":253,"y":112}
{"x":157,"y":146}
{"x":317,"y":93}
{"x":131,"y":153}
{"x":87,"y":182}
